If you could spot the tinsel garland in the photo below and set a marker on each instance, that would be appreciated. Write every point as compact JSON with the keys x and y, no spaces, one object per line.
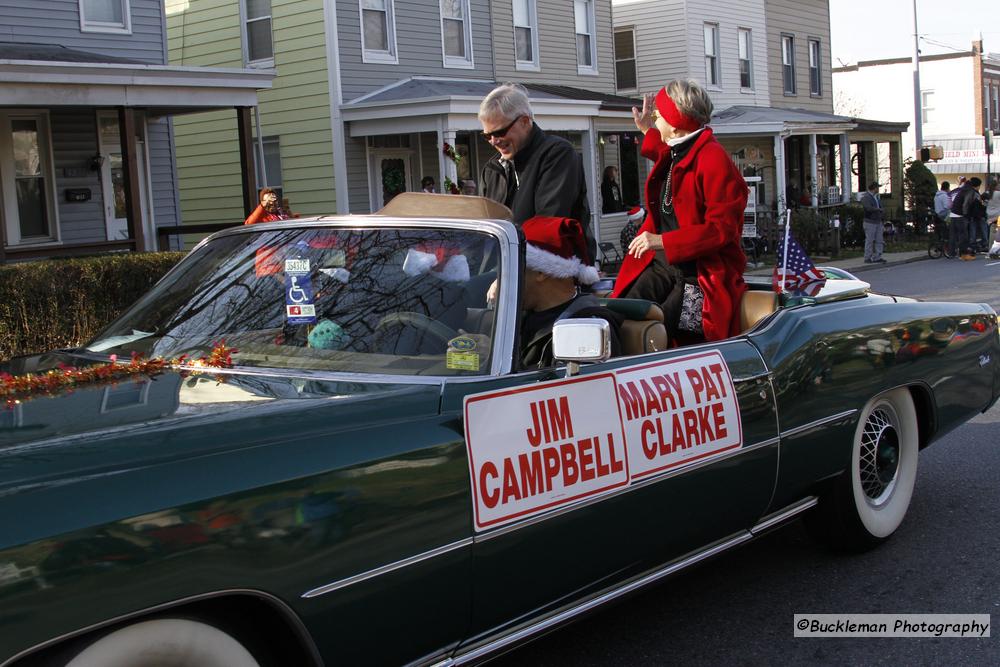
{"x":15,"y":389}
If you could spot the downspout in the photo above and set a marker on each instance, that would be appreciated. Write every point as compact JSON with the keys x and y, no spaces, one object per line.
{"x":338,"y":140}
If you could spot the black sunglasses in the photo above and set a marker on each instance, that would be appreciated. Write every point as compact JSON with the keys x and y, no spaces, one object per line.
{"x":502,"y":132}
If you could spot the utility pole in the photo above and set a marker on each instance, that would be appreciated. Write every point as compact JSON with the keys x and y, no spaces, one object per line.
{"x":918,"y":130}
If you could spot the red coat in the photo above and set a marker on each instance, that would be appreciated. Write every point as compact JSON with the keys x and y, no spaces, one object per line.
{"x":709,"y":196}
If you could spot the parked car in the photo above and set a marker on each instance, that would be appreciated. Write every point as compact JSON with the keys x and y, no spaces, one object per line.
{"x":374,"y":480}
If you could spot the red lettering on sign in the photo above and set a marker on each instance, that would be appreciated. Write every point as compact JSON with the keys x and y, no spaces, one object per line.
{"x":691,"y":428}
{"x":717,"y":371}
{"x":720,"y":421}
{"x":696,"y":383}
{"x":711,"y":391}
{"x":586,"y":460}
{"x":616,"y":465}
{"x":551,"y":421}
{"x":629,"y":394}
{"x":510,"y":487}
{"x":648,"y":448}
{"x":570,"y":472}
{"x":551,"y":456}
{"x":678,"y":439}
{"x":669,"y":387}
{"x":532,"y":477}
{"x":704,"y":425}
{"x":489,"y":498}
{"x":652,"y":403}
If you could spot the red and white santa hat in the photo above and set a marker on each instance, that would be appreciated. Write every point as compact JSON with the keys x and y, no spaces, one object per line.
{"x":558,"y":248}
{"x":636,"y":214}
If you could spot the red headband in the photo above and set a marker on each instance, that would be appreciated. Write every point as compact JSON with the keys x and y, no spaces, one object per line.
{"x":670,"y":113}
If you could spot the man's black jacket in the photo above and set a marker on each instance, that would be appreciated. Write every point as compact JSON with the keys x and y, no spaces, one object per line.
{"x":550,"y":181}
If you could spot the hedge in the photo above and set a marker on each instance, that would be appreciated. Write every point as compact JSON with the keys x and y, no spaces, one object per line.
{"x":64,"y":302}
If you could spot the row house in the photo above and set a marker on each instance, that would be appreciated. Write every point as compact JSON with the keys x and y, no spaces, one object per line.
{"x":367,"y":93}
{"x":766,"y":64}
{"x":959,"y":102}
{"x":86,"y":147}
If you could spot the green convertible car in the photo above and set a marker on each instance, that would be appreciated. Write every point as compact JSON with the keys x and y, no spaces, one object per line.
{"x":374,"y":480}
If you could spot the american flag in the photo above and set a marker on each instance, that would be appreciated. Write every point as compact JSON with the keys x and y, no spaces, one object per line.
{"x":797,"y":275}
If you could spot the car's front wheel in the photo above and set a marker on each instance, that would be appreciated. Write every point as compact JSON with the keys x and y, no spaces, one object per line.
{"x":867,"y":503}
{"x":165,"y":642}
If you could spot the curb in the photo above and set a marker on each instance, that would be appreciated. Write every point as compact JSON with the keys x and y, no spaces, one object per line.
{"x":871,"y":267}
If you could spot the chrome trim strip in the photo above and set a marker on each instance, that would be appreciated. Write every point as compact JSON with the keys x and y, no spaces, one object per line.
{"x":563,"y":617}
{"x":784,"y":515}
{"x":757,"y":376}
{"x":385,"y":569}
{"x":653,"y":479}
{"x":819,"y":422}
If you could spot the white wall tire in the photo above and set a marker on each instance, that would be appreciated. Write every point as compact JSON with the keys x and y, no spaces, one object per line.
{"x":166,"y":642}
{"x":869,"y":501}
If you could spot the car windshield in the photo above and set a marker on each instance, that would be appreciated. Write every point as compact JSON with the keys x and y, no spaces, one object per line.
{"x":401,"y":301}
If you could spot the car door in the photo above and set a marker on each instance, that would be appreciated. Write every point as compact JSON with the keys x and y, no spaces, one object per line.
{"x":648,"y":509}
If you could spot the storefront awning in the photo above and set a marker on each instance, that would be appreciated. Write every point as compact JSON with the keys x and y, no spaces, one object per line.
{"x":52,"y":76}
{"x":749,"y":120}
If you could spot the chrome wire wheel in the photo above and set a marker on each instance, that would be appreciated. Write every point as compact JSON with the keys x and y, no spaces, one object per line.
{"x":878,"y":463}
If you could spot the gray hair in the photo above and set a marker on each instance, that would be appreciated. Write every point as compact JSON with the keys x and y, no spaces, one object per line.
{"x":508,"y":100}
{"x":691,"y":100}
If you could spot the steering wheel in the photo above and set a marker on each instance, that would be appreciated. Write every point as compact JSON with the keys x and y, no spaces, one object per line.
{"x":421,"y":323}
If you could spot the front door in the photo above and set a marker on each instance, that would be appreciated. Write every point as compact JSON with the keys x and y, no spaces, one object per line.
{"x":113,"y":179}
{"x":390,"y":172}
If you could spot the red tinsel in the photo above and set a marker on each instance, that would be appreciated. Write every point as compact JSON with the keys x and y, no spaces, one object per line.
{"x":16,"y":389}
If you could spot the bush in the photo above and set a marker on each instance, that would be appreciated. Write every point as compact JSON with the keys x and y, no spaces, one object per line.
{"x":919,"y":186}
{"x":64,"y":302}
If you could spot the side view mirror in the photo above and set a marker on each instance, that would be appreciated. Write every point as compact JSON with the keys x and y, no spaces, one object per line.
{"x":581,"y":340}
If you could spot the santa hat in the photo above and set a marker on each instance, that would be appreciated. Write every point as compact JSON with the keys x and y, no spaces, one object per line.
{"x":670,"y":113}
{"x":636,"y":214}
{"x":557,"y":248}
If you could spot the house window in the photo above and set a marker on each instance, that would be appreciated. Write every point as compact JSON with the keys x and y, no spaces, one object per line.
{"x":712,"y":77}
{"x":270,"y":175}
{"x":456,"y":33}
{"x":926,"y":105}
{"x":105,"y":16}
{"x":743,"y":36}
{"x":586,"y":48}
{"x":625,"y":59}
{"x":788,"y":64}
{"x":378,"y":32}
{"x":996,"y":106}
{"x":27,"y":179}
{"x":257,"y":32}
{"x":815,"y":82}
{"x":525,"y":34}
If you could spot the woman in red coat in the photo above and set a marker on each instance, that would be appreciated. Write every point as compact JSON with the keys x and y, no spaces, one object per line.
{"x":687,"y":255}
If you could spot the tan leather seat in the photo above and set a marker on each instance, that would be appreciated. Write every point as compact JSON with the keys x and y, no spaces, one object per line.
{"x":755,"y":306}
{"x":427,"y":205}
{"x":643,"y":329}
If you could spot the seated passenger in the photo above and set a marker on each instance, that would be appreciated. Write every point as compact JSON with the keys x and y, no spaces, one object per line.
{"x":687,"y":255}
{"x":557,"y":262}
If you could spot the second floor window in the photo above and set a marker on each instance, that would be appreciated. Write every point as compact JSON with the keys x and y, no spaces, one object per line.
{"x":712,"y":54}
{"x":525,"y":34}
{"x":788,"y":64}
{"x":625,"y":59}
{"x":457,"y":33}
{"x":926,"y":105}
{"x":378,"y":32}
{"x":586,"y":49}
{"x":743,"y":36}
{"x":815,"y":80}
{"x":104,"y":16}
{"x":260,"y":50}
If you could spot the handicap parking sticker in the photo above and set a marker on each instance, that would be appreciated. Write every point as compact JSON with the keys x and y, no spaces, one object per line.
{"x":299,"y":306}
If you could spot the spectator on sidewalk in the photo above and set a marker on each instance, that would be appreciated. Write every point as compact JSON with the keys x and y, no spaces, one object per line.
{"x":942,"y":202}
{"x":992,"y":199}
{"x":962,"y":207}
{"x":978,"y":229}
{"x":874,"y":242}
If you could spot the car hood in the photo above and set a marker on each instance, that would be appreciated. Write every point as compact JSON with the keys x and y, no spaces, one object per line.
{"x":105,"y":427}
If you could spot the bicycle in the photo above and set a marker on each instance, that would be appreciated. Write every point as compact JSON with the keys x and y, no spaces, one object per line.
{"x":940,"y":245}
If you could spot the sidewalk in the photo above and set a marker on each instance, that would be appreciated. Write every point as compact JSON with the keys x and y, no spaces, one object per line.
{"x":857,"y":264}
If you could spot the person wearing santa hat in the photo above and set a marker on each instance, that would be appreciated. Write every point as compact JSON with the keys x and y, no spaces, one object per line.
{"x":636,"y":215}
{"x":687,"y":255}
{"x":556,"y":263}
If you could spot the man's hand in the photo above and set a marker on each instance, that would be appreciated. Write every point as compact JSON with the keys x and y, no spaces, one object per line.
{"x":492,"y":294}
{"x":643,"y":242}
{"x":644,"y":120}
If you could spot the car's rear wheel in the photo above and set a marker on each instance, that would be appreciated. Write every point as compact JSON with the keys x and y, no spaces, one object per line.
{"x":165,"y":642}
{"x":867,"y":503}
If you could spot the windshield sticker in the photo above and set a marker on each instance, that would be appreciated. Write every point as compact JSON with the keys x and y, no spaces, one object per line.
{"x":299,"y":306}
{"x":678,"y":411}
{"x":462,"y":361}
{"x":557,"y":443}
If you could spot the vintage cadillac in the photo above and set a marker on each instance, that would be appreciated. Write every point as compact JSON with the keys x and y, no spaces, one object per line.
{"x":375,"y":480}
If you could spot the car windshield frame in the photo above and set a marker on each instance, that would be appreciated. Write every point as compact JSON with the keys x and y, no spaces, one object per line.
{"x":502,"y":232}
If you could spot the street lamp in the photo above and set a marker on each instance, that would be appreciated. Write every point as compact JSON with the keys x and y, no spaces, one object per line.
{"x":918,"y":130}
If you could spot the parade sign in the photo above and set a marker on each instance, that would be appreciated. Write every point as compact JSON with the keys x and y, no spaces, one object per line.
{"x":543,"y":446}
{"x":678,"y":411}
{"x":553,"y":444}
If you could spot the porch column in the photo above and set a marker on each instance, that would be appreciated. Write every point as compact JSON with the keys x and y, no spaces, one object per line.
{"x":814,"y":194}
{"x":130,"y":169}
{"x":896,"y":171}
{"x":446,"y":167}
{"x":779,"y":174}
{"x":248,"y":174}
{"x":845,"y":168}
{"x":590,"y":169}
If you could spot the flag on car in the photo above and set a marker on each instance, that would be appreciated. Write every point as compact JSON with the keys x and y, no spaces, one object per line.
{"x":794,"y":271}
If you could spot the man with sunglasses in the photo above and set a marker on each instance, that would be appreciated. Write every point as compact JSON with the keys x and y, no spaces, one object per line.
{"x":533,"y":174}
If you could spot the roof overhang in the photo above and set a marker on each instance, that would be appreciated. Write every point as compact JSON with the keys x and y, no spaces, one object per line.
{"x":161,"y":89}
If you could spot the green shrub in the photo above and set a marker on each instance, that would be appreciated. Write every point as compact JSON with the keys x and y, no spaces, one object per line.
{"x":920,"y":187}
{"x":64,"y":302}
